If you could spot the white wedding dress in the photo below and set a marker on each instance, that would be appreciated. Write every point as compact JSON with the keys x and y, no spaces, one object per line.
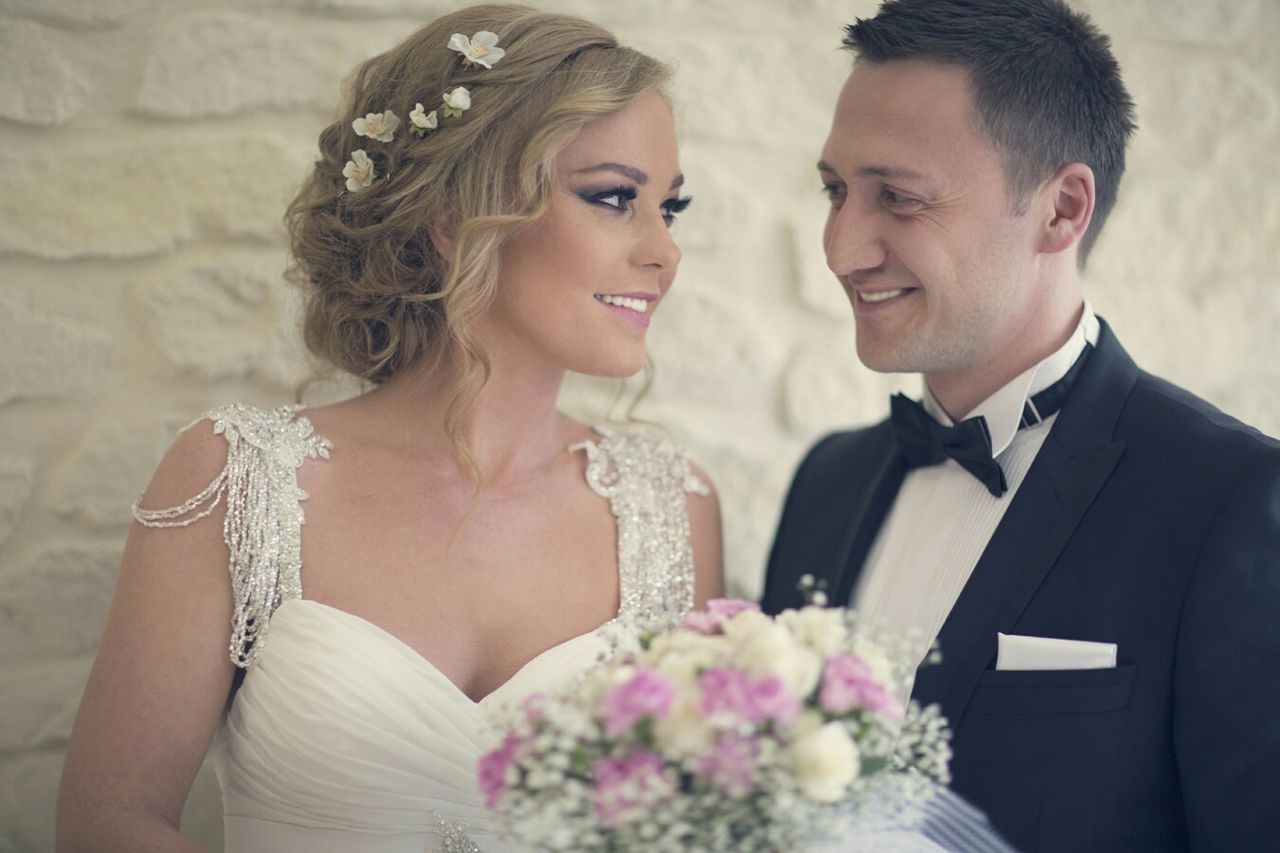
{"x":342,"y":738}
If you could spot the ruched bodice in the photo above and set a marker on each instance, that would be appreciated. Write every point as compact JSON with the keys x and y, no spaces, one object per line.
{"x":341,"y":736}
{"x":342,"y":730}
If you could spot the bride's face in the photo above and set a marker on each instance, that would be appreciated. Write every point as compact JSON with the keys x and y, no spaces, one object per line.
{"x":578,"y":287}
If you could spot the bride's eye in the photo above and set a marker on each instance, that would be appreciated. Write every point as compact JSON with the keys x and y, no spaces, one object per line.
{"x":672,"y":208}
{"x":616,"y":198}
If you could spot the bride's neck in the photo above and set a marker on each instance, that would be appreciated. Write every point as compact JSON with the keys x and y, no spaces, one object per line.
{"x":513,"y":427}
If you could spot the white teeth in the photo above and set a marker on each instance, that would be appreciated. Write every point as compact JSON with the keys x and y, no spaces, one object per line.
{"x":640,"y":306}
{"x":882,"y":296}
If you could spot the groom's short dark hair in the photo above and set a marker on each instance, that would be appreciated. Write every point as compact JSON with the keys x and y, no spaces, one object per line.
{"x":1046,"y":86}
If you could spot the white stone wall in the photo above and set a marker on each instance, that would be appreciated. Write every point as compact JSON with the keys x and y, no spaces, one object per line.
{"x":148,"y":147}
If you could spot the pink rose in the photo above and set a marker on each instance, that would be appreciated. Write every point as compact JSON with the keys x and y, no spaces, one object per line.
{"x":771,"y":700}
{"x":719,"y":611}
{"x":645,"y":694}
{"x":730,"y":766}
{"x":732,"y":690}
{"x":847,"y":683}
{"x":492,"y":769}
{"x":726,"y":689}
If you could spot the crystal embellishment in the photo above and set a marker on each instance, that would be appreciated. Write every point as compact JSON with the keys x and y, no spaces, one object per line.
{"x":264,"y":518}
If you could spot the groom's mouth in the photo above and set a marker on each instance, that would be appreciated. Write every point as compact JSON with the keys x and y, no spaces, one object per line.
{"x":872,"y":301}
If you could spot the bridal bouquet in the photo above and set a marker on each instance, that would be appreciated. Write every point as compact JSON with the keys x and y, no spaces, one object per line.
{"x":733,"y":731}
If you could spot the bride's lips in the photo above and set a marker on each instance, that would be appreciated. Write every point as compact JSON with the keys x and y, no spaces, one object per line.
{"x":868,"y":301}
{"x":636,"y":308}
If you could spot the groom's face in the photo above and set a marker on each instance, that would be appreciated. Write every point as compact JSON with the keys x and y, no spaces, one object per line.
{"x":921,"y":231}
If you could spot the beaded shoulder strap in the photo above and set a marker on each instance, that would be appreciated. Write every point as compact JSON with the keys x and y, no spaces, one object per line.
{"x":263,"y":523}
{"x":645,"y":478}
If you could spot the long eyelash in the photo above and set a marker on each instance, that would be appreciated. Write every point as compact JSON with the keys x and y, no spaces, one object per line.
{"x":624,"y":193}
{"x":677,"y":205}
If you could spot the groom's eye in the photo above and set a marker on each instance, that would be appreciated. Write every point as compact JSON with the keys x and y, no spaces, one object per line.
{"x":834,"y":192}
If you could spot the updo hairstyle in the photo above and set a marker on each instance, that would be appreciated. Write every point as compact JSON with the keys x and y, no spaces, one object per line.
{"x":377,"y":295}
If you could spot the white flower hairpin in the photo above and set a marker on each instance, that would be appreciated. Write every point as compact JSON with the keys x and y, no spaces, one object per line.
{"x":456,"y":102}
{"x":379,"y":126}
{"x":421,"y":122}
{"x":481,"y":49}
{"x":359,"y":170}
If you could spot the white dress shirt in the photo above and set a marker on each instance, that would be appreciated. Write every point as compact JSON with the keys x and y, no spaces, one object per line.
{"x":943,"y":516}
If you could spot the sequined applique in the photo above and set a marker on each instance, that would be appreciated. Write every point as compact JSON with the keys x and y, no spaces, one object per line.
{"x":264,"y":517}
{"x":645,"y":479}
{"x":453,"y":836}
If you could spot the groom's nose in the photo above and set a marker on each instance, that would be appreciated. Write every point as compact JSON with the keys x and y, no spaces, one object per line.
{"x":852,"y":244}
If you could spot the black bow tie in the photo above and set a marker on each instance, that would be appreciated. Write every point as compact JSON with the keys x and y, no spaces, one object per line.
{"x":923,"y":441}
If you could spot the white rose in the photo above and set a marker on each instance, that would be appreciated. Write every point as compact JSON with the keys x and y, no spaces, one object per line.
{"x":684,"y":730}
{"x":774,"y":652}
{"x":825,"y":762}
{"x":820,"y":628}
{"x":745,"y":624}
{"x":682,"y":654}
{"x":456,"y":100}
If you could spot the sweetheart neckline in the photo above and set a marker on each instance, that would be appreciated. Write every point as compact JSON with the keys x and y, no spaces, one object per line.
{"x":426,"y":663}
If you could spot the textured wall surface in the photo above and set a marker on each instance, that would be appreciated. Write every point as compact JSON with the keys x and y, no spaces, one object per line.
{"x":147,"y":150}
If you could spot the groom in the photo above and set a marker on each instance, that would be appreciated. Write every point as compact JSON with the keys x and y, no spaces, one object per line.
{"x":1122,"y":535}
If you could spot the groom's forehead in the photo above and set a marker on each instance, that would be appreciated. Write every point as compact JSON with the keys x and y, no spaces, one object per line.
{"x":903,"y":110}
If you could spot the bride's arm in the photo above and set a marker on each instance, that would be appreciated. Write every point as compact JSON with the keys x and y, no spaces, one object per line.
{"x":707,"y":539}
{"x":161,"y":679}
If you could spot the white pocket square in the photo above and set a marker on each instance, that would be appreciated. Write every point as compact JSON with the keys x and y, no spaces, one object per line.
{"x":1016,"y":652}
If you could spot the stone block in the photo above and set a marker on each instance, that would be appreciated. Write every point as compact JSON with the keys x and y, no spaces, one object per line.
{"x":224,"y":316}
{"x":81,"y":14}
{"x":47,"y":356}
{"x":38,"y":700}
{"x":221,"y":62}
{"x":15,"y":493}
{"x":826,"y":387}
{"x":38,"y":83}
{"x":59,"y":600}
{"x":109,"y":469}
{"x":149,"y":192}
{"x":28,"y":800}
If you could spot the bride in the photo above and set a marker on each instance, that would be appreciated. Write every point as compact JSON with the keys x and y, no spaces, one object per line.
{"x":489,"y":210}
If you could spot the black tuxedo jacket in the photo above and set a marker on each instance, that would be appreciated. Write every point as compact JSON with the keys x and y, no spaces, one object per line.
{"x":1149,"y":519}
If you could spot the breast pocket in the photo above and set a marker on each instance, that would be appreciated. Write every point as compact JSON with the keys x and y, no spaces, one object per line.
{"x":1068,"y":691}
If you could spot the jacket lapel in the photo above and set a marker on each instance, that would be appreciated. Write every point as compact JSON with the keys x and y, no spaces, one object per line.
{"x":867,"y":516}
{"x":1078,"y":456}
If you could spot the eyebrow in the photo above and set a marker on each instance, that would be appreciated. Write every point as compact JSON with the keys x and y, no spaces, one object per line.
{"x":626,"y":171}
{"x":877,"y":171}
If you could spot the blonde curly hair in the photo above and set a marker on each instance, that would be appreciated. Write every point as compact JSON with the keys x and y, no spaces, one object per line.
{"x":377,"y":295}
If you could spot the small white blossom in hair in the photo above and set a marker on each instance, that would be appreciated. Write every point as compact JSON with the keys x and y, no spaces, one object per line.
{"x":481,"y":49}
{"x":379,"y":126}
{"x":420,"y":123}
{"x":456,"y":102}
{"x":359,"y":170}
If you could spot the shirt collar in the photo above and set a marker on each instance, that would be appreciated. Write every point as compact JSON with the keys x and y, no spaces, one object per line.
{"x":1003,"y":409}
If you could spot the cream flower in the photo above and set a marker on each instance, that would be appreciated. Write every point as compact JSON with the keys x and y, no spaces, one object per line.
{"x":359,"y":170}
{"x":379,"y":126}
{"x":685,"y":730}
{"x":820,"y":628}
{"x":826,"y":762}
{"x":457,"y":101}
{"x":774,"y":652}
{"x":421,"y":122}
{"x":481,"y":49}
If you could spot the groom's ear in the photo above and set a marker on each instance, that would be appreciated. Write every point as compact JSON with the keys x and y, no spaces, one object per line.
{"x":1065,"y":208}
